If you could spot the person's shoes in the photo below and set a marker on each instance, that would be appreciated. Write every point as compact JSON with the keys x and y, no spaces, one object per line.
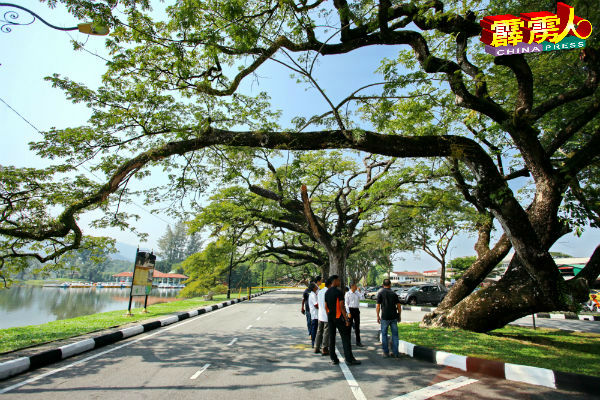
{"x":397,"y":355}
{"x":359,"y":345}
{"x":335,"y":362}
{"x":386,"y":355}
{"x":354,"y":362}
{"x":317,"y":351}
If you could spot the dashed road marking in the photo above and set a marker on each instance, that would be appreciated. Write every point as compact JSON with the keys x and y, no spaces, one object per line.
{"x":54,"y":371}
{"x":438,"y":388}
{"x":201,"y":370}
{"x":249,"y":326}
{"x":258,"y":318}
{"x":232,"y":342}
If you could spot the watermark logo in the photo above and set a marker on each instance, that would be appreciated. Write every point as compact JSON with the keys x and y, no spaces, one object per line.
{"x":535,"y":32}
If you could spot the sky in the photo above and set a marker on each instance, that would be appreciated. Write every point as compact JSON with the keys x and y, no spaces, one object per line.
{"x":30,"y":53}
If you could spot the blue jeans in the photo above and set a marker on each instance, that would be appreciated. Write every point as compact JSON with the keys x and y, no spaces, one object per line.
{"x":308,"y":320}
{"x":392,"y":323}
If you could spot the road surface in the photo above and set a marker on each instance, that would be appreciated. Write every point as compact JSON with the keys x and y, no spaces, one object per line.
{"x":253,"y":350}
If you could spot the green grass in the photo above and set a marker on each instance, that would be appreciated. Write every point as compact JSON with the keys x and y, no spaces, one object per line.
{"x":20,"y":337}
{"x":42,"y":282}
{"x":576,"y":352}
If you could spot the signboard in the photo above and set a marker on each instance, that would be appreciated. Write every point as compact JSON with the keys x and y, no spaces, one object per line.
{"x":143,"y":274}
{"x":535,"y":32}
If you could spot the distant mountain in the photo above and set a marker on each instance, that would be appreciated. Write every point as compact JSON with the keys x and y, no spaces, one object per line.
{"x":126,"y":252}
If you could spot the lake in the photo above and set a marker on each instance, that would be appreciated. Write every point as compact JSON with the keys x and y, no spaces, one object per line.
{"x":33,"y":305}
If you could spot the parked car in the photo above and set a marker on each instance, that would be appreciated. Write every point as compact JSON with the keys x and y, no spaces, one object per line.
{"x":371,"y":293}
{"x":430,"y":293}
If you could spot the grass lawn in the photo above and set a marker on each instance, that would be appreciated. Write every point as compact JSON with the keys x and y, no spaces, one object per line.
{"x":575,"y":352}
{"x":25,"y":336}
{"x":42,"y":282}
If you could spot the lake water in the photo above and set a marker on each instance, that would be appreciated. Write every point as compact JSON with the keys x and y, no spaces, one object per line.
{"x":33,"y":305}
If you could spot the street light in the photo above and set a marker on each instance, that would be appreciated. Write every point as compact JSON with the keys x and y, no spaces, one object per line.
{"x":10,"y":17}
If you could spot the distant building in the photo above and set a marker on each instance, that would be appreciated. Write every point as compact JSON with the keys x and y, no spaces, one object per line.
{"x":407,"y":277}
{"x":159,"y":277}
{"x":576,"y":263}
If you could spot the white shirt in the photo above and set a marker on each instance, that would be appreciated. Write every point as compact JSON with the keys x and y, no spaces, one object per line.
{"x":352,"y":300}
{"x":321,"y":299}
{"x":312,"y":300}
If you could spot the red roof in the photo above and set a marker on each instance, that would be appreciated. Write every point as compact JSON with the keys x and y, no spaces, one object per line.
{"x":406,"y":273}
{"x":433,"y":271}
{"x":156,"y":274}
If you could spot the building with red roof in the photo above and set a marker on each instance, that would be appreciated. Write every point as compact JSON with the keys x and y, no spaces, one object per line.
{"x":159,"y":277}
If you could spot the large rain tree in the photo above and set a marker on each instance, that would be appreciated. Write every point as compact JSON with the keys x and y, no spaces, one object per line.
{"x":172,"y":93}
{"x":316,"y":206}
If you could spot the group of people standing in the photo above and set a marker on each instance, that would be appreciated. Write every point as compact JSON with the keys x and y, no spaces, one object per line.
{"x":329,"y":309}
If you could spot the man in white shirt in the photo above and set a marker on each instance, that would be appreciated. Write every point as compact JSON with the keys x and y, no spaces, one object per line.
{"x":313,"y":307}
{"x":352,"y":302}
{"x":323,"y":328}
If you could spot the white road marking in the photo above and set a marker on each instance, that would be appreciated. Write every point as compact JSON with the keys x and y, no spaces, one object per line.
{"x":266,"y":311}
{"x":201,"y":370}
{"x":249,"y":326}
{"x":356,"y":390}
{"x":438,"y":388}
{"x":232,"y":342}
{"x":54,"y":371}
{"x":258,"y":318}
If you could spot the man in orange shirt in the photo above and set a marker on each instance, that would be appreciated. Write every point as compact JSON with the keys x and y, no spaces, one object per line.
{"x":338,"y":319}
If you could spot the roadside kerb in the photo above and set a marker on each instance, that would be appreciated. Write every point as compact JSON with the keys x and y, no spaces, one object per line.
{"x":501,"y":370}
{"x":580,"y":317}
{"x":23,"y":364}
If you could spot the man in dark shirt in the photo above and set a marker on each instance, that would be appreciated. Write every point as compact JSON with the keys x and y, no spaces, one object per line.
{"x":338,"y":319}
{"x":390,"y":308}
{"x":304,"y":308}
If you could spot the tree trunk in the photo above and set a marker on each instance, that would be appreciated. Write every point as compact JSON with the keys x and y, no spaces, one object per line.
{"x":476,"y":273}
{"x":337,"y":264}
{"x":514,"y":296}
{"x":443,"y":272}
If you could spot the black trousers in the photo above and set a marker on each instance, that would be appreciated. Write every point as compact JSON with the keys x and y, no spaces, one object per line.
{"x":340,"y":326}
{"x":355,"y":322}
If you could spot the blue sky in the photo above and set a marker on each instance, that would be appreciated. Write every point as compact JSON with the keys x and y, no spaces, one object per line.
{"x":30,"y":53}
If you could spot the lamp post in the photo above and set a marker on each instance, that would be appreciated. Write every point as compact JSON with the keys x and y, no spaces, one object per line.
{"x":10,"y":18}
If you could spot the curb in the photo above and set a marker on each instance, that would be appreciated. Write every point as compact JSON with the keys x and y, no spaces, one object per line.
{"x":406,"y":308}
{"x":501,"y":370}
{"x":569,"y":316}
{"x":23,"y":364}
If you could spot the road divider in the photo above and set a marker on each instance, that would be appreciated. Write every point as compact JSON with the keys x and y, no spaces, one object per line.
{"x":19,"y":365}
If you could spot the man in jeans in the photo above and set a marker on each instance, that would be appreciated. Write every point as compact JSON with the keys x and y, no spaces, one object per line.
{"x":388,"y":311}
{"x":305,"y":309}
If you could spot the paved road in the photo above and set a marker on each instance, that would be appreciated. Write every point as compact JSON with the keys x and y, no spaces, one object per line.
{"x":253,"y":350}
{"x":565,"y":324}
